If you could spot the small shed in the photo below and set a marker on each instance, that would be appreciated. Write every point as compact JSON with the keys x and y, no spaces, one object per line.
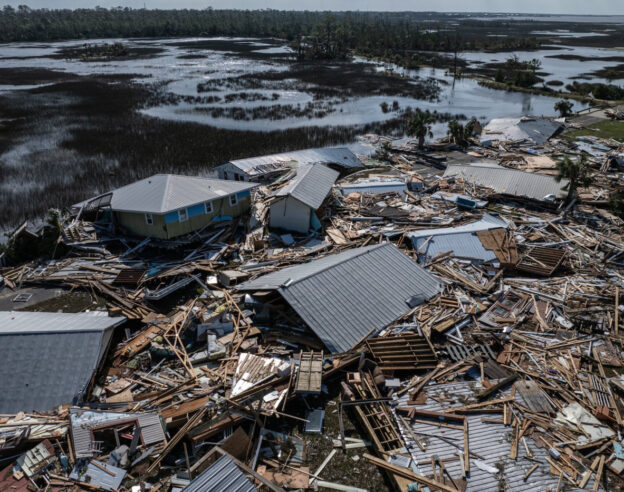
{"x":294,"y":203}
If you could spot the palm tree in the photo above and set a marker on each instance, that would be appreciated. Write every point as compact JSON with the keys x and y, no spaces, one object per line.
{"x":419,"y":126}
{"x":578,"y":172}
{"x":460,"y":134}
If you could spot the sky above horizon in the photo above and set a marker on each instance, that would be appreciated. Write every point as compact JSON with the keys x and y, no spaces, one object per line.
{"x":576,"y":7}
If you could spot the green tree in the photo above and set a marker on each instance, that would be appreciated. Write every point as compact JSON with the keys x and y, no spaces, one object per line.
{"x":460,"y":134}
{"x":564,"y":107}
{"x":577,"y":172}
{"x":419,"y":126}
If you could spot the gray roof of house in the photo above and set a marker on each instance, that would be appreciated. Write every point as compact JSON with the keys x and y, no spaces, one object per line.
{"x":164,"y":193}
{"x":510,"y":181}
{"x":47,"y":359}
{"x":329,"y":155}
{"x":310,"y":185}
{"x":82,"y":421}
{"x":374,"y":186}
{"x":222,"y":475}
{"x":538,"y":130}
{"x":93,"y":474}
{"x":345,"y":296}
{"x":461,"y":240}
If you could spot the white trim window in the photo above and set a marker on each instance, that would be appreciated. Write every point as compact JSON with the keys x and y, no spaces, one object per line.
{"x":208,"y":207}
{"x":149,"y":219}
{"x":183,"y":215}
{"x":233,"y":200}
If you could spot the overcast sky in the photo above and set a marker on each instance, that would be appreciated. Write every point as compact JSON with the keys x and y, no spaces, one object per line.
{"x":595,"y":7}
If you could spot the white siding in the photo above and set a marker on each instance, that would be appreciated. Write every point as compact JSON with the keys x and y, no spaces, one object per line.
{"x":231,"y":171}
{"x":290,"y":214}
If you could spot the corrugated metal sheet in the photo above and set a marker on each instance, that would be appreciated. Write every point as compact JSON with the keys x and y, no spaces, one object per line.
{"x":510,"y":181}
{"x":310,"y":185}
{"x":538,"y":130}
{"x":374,"y":187}
{"x":108,"y":480}
{"x":492,"y":441}
{"x":330,"y":155}
{"x":47,"y":359}
{"x":164,"y":193}
{"x":223,"y":475}
{"x":82,"y":421}
{"x":462,"y":245}
{"x":24,"y":322}
{"x":460,"y":240}
{"x":344,"y":297}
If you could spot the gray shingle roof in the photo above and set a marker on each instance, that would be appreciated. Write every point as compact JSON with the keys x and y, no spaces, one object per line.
{"x":331,"y":155}
{"x":164,"y":193}
{"x":47,"y":359}
{"x":222,"y":475}
{"x":310,"y":185}
{"x":510,"y":181}
{"x":343,"y":297}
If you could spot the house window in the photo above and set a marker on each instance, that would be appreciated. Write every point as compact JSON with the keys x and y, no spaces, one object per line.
{"x":225,"y":176}
{"x":149,"y":219}
{"x":233,"y":200}
{"x":183,"y":215}
{"x":209,"y":208}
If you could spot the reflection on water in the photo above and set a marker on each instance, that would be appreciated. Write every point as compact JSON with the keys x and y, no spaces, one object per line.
{"x":182,"y":64}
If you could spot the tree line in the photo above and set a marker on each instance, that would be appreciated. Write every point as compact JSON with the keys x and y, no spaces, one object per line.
{"x":393,"y":36}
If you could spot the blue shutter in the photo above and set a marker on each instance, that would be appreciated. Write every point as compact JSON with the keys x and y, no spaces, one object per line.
{"x":196,"y":210}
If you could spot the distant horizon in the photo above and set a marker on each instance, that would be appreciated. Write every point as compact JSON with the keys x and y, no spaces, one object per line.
{"x":575,"y":8}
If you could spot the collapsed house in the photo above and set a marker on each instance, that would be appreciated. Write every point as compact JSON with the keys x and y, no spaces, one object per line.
{"x":166,"y":206}
{"x":346,"y":297}
{"x":267,"y":168}
{"x":525,"y":129}
{"x":512,"y":183}
{"x":294,"y":204}
{"x":49,"y":359}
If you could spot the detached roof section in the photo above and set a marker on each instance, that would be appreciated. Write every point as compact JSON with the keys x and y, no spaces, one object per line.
{"x":47,"y":359}
{"x":224,"y":475}
{"x":310,"y":185}
{"x":537,"y":130}
{"x":461,"y":240}
{"x":346,"y":296}
{"x":510,"y":182}
{"x":164,"y":193}
{"x":83,"y":421}
{"x":340,"y":156}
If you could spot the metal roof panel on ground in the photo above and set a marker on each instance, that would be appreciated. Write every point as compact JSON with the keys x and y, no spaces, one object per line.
{"x":510,"y":181}
{"x":538,"y":130}
{"x":460,"y":240}
{"x":329,"y":155}
{"x":50,"y":362}
{"x":346,"y":296}
{"x":374,"y":187}
{"x":490,"y":440}
{"x":222,"y":475}
{"x":310,"y":185}
{"x":164,"y":193}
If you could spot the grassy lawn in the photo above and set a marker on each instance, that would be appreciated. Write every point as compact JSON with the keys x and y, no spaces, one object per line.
{"x":604,"y":129}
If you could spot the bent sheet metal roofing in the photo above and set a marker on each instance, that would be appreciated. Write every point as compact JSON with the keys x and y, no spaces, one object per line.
{"x":310,"y":185}
{"x":510,"y":181}
{"x":330,"y":155}
{"x":345,"y":296}
{"x":461,"y":240}
{"x":223,"y":475}
{"x":164,"y":193}
{"x":47,"y":359}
